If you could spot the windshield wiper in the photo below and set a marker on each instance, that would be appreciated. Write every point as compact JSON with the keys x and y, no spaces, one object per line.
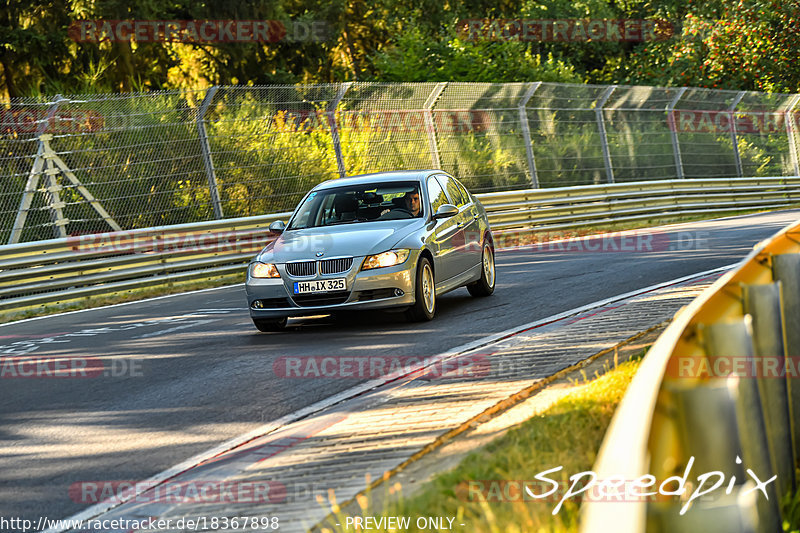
{"x":346,"y":221}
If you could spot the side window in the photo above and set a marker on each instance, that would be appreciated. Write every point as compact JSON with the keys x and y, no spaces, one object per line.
{"x":464,"y":191}
{"x":452,"y":190}
{"x":436,"y":194}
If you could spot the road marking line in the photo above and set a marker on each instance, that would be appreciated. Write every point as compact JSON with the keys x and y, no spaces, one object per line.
{"x":145,"y":300}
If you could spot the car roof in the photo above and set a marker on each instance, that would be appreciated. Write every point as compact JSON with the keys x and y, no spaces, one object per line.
{"x":379,"y":177}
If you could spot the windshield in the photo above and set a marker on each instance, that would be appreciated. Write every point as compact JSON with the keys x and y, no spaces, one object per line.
{"x":359,"y":203}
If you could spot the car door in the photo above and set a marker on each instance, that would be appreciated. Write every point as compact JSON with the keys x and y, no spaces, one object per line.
{"x":468,"y":238}
{"x":475,"y":227}
{"x":443,"y":239}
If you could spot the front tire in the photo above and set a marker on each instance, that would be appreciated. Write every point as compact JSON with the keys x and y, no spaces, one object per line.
{"x":267,"y":325}
{"x":485,"y":285}
{"x":425,"y":293}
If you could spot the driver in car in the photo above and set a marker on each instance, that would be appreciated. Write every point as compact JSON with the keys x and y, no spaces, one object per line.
{"x":408,"y":203}
{"x":412,"y":202}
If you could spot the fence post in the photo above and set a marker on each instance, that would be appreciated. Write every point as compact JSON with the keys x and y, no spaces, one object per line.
{"x":736,"y":156}
{"x":791,"y":133}
{"x":429,"y":126}
{"x":673,"y":130}
{"x":33,"y":181}
{"x":526,"y":133}
{"x":337,"y":143}
{"x":601,"y":127}
{"x":206,"y":148}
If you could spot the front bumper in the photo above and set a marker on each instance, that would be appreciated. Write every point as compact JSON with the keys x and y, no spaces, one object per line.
{"x":370,"y":289}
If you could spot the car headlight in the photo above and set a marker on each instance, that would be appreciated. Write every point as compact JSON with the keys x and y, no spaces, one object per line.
{"x":386,"y":259}
{"x":264,"y":270}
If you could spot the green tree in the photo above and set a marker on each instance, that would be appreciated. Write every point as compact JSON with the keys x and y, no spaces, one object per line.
{"x":742,"y":44}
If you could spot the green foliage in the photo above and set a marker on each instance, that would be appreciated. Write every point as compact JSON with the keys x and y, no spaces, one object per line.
{"x":735,"y":44}
{"x":742,"y":44}
{"x":415,"y":58}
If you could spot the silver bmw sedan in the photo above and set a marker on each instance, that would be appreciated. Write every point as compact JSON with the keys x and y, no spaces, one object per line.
{"x":385,"y":240}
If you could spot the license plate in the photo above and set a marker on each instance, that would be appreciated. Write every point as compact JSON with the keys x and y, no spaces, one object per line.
{"x":321,"y":285}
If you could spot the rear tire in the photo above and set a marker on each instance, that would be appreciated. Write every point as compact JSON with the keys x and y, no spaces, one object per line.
{"x":424,"y":307}
{"x":485,"y":285}
{"x":267,"y":325}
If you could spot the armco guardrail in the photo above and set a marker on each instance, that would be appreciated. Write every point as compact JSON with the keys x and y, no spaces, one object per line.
{"x":570,"y":207}
{"x":718,"y":393}
{"x":60,"y":271}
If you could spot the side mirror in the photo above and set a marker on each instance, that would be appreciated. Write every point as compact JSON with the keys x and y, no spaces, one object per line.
{"x":277,"y":227}
{"x":445,"y":211}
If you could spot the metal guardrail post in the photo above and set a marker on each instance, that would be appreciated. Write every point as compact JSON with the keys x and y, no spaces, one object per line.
{"x":206,"y":148}
{"x":763,"y":303}
{"x":32,"y":183}
{"x":429,"y":124}
{"x":791,"y":133}
{"x":526,"y":132}
{"x":601,"y":127}
{"x":734,"y":140}
{"x":715,"y":448}
{"x":331,"y":112}
{"x":673,"y":130}
{"x":735,"y":340}
{"x":786,"y":270}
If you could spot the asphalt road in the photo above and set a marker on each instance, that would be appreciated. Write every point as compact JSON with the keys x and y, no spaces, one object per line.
{"x":182,"y":374}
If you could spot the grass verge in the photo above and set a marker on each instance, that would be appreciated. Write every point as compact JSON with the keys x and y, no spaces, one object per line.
{"x":568,"y":434}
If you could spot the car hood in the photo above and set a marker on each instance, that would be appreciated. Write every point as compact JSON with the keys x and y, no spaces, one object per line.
{"x":358,"y":239}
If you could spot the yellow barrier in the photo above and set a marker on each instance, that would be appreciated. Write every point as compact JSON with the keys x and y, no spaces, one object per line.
{"x":719,"y":391}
